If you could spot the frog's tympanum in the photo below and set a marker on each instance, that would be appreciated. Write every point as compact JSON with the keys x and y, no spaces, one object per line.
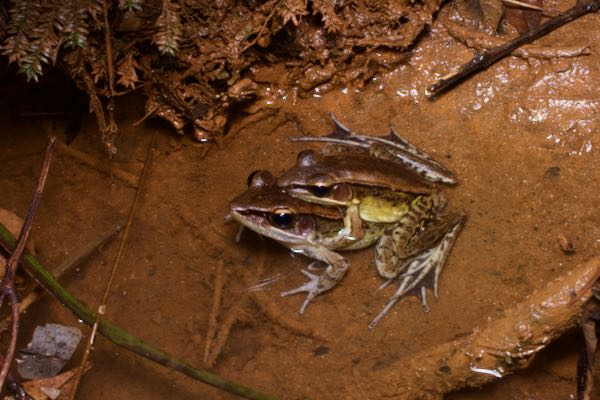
{"x":372,"y":189}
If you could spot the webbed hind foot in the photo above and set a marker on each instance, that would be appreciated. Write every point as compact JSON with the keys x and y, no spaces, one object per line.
{"x":423,"y":271}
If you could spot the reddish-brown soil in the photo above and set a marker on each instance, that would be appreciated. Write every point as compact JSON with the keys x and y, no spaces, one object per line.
{"x":522,"y":137}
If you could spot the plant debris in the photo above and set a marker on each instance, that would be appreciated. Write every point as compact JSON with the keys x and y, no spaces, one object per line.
{"x":211,"y":56}
{"x":52,"y":388}
{"x":486,"y":58}
{"x":565,"y":244}
{"x":14,"y":224}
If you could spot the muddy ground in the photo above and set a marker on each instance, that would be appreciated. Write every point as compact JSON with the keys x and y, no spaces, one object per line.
{"x":522,"y":137}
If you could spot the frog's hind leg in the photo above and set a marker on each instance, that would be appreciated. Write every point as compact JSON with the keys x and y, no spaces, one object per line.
{"x":423,"y":270}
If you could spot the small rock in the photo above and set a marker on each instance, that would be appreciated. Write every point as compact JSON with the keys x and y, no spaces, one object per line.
{"x":565,"y":244}
{"x":552,"y":172}
{"x":321,"y":351}
{"x":49,"y":350}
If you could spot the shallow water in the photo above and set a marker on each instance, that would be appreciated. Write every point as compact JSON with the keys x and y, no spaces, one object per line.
{"x":522,"y":137}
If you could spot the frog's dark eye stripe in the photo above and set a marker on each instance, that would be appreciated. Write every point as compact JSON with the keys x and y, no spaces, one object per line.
{"x":281,"y":218}
{"x":320,"y":190}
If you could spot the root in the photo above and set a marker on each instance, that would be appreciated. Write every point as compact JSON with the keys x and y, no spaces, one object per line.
{"x":99,"y":165}
{"x":275,"y":314}
{"x":7,"y":288}
{"x":212,"y":318}
{"x":235,"y":315}
{"x":499,"y":348}
{"x":479,"y":42}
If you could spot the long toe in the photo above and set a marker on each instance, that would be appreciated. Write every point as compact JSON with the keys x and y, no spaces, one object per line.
{"x":309,"y":286}
{"x":393,"y":300}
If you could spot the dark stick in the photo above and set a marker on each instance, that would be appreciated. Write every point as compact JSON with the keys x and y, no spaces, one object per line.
{"x":8,"y":282}
{"x":483,"y":60}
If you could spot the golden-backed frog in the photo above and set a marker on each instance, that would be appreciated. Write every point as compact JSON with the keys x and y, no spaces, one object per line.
{"x":382,"y":190}
{"x":404,"y":250}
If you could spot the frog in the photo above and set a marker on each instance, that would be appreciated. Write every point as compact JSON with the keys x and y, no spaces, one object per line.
{"x":390,"y":147}
{"x":379,"y":190}
{"x":352,"y":166}
{"x":319,"y":232}
{"x":311,"y":229}
{"x":401,"y":191}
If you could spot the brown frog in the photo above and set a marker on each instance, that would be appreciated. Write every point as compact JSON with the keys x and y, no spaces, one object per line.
{"x":318,"y":231}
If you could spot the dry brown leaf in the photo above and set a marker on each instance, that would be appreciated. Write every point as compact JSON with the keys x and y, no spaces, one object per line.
{"x":44,"y":389}
{"x":492,"y":13}
{"x":126,"y":70}
{"x":485,"y":14}
{"x":521,"y":19}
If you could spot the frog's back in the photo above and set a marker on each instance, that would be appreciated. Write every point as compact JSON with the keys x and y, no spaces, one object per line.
{"x":317,"y":169}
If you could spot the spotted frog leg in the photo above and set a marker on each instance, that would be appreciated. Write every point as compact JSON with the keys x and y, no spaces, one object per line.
{"x":389,"y":147}
{"x":424,"y":268}
{"x":328,"y":279}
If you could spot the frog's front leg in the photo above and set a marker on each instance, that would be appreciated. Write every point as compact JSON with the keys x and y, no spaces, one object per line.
{"x":353,"y":228}
{"x":335,"y":271}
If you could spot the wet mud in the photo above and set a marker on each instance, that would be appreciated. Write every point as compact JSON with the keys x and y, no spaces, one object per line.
{"x":522,"y":138}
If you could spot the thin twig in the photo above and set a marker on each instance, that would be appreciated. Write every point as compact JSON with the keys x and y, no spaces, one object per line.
{"x":262,"y":28}
{"x":216,"y":306}
{"x":101,"y":165}
{"x":8,"y":282}
{"x":109,"y":55}
{"x":70,"y":263}
{"x":116,"y":334}
{"x":527,"y":6}
{"x":96,"y":107}
{"x":112,"y":126}
{"x":102,"y":306}
{"x":235,"y":314}
{"x":483,"y":60}
{"x":148,"y":114}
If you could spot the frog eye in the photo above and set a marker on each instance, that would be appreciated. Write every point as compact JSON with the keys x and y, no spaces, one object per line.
{"x":306,"y":158}
{"x":281,"y":218}
{"x":320,"y":190}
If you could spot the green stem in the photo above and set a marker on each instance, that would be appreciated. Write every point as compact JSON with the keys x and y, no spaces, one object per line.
{"x":116,"y":334}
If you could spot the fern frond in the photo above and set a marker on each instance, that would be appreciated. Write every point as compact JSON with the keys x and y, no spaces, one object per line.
{"x":126,"y":70}
{"x":131,"y":5}
{"x":44,"y":35}
{"x":95,"y":9}
{"x":169,"y":29}
{"x":31,"y":64}
{"x":24,"y":17}
{"x":73,"y":24}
